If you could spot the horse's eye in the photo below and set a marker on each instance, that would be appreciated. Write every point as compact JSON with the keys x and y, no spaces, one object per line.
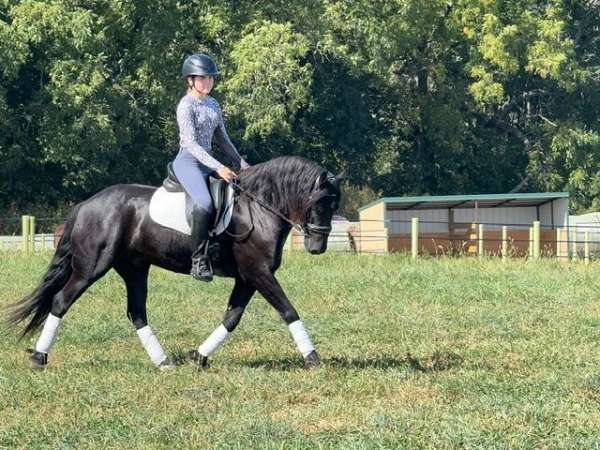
{"x":334,"y":206}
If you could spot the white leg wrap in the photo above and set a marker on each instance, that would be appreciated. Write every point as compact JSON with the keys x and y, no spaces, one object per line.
{"x":46,"y":339}
{"x":301,"y":338}
{"x":214,"y":341}
{"x":151,"y":344}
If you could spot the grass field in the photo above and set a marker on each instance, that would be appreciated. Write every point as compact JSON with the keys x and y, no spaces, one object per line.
{"x":447,"y":353}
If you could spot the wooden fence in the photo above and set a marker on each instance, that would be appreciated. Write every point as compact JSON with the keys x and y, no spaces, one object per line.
{"x":476,"y":239}
{"x":505,"y":241}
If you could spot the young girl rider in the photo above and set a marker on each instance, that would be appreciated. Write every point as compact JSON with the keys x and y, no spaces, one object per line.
{"x":199,"y":117}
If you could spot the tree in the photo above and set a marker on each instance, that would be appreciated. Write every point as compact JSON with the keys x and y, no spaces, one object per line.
{"x":410,"y":97}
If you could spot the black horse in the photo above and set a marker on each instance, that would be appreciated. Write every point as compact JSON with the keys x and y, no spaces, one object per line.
{"x":113,"y":229}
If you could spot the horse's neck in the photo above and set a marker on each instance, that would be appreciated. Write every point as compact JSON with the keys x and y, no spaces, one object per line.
{"x":282,"y":197}
{"x":294,"y":204}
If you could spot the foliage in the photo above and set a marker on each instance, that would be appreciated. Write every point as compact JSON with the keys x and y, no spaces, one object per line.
{"x":409,"y":97}
{"x":268,"y":84}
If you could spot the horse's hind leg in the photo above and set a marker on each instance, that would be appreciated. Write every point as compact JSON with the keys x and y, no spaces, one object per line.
{"x":136,"y":280}
{"x":62,"y":301}
{"x":85,"y":271}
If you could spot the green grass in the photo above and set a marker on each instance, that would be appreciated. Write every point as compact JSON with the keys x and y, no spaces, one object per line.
{"x":446,"y":353}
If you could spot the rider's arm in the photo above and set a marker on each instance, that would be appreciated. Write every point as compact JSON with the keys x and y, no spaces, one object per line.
{"x":185,"y":120}
{"x":226,"y":145}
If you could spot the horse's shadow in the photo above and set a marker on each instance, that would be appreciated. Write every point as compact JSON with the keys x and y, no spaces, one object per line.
{"x":436,"y":362}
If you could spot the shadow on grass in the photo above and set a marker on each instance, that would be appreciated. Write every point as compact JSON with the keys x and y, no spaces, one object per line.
{"x":437,"y":362}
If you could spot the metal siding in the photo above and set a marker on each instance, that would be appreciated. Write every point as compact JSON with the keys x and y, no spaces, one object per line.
{"x":428,"y":221}
{"x":561,"y":212}
{"x":546,"y":216}
{"x":519,"y":217}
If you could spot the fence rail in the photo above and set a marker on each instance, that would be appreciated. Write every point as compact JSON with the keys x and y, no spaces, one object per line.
{"x":28,"y":233}
{"x":531,"y":240}
{"x":506,"y":240}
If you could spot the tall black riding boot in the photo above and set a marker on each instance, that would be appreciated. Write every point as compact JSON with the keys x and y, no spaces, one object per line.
{"x":201,"y":266}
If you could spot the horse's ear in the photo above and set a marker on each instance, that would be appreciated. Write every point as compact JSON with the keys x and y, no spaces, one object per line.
{"x":336,"y":180}
{"x":326,"y":178}
{"x":322,"y":180}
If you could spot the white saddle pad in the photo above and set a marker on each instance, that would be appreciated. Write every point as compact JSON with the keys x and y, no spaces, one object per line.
{"x":168,"y":209}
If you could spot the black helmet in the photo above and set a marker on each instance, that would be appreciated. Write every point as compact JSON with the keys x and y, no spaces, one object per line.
{"x":199,"y":64}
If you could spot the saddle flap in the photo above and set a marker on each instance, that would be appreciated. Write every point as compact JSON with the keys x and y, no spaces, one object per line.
{"x":218,"y":188}
{"x":226,"y":209}
{"x":171,"y":183}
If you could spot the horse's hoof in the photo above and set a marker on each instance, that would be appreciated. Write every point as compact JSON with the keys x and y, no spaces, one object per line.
{"x":38,"y":360}
{"x":194,"y":357}
{"x":167,"y":365}
{"x":312,"y":360}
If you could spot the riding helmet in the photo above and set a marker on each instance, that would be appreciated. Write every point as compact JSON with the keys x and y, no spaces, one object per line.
{"x":199,"y":64}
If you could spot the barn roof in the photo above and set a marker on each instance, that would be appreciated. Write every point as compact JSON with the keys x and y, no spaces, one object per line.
{"x":468,"y":201}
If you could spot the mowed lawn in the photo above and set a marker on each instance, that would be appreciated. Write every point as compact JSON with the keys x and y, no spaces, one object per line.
{"x":437,"y":353}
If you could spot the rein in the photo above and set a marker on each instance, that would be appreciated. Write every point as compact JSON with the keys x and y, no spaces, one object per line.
{"x":251,"y":196}
{"x":310,"y":227}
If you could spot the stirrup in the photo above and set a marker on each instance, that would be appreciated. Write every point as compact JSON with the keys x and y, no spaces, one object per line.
{"x":202,"y":269}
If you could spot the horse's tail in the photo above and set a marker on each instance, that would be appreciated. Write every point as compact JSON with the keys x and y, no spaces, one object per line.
{"x":39,"y":303}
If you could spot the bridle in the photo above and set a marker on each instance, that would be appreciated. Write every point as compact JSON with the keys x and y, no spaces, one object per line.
{"x":306,"y":227}
{"x":311,"y":227}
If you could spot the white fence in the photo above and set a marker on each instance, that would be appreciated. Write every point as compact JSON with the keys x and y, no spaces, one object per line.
{"x":40,"y":242}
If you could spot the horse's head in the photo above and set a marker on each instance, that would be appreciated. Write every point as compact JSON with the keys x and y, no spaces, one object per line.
{"x":323,"y":201}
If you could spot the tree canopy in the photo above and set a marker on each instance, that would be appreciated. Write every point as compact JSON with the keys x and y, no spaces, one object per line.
{"x":409,"y":97}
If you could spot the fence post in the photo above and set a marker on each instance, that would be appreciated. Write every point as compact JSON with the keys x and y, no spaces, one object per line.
{"x":480,"y":241}
{"x":32,"y":232}
{"x":536,"y":239}
{"x":586,"y":246}
{"x":558,"y":243}
{"x":25,"y":228}
{"x":530,"y":248}
{"x":414,"y":244}
{"x":504,"y":242}
{"x":574,"y":250}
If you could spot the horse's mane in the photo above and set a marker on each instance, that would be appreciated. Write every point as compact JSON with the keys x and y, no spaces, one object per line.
{"x":283,"y":182}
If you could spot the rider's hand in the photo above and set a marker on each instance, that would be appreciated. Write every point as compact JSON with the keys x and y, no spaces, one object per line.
{"x":227,"y":174}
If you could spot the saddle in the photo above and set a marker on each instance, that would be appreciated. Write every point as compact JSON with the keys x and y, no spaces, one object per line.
{"x":172,"y":207}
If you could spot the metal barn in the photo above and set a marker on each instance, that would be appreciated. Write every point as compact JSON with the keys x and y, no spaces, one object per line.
{"x":451,"y":222}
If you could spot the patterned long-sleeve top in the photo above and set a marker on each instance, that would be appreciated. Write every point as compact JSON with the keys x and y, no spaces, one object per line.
{"x":199,"y":119}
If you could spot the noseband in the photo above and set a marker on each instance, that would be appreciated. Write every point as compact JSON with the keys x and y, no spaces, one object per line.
{"x":320,"y":229}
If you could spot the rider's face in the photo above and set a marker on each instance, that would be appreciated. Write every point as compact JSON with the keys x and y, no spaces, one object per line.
{"x":202,"y":84}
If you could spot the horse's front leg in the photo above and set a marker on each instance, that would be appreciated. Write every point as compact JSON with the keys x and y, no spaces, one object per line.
{"x":271,"y":290}
{"x":238,"y":300}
